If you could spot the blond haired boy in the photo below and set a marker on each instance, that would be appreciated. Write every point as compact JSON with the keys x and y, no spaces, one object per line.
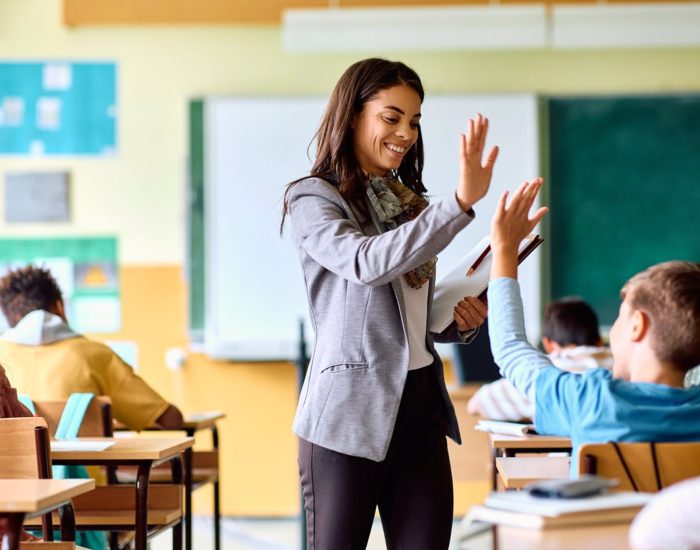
{"x":655,"y":341}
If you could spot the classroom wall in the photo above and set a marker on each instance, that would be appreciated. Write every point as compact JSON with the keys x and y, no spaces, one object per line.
{"x":138,"y":194}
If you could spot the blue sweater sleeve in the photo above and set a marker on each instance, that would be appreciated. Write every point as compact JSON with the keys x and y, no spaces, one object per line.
{"x":517,"y":359}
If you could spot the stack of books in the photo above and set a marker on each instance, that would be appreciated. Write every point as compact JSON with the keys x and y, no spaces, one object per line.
{"x":520,"y":509}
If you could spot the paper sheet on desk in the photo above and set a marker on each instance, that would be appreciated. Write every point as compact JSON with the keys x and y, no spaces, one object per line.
{"x":454,"y":286}
{"x":79,"y":445}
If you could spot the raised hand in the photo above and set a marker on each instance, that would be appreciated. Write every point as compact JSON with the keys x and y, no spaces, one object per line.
{"x":475,"y":174}
{"x":511,"y":224}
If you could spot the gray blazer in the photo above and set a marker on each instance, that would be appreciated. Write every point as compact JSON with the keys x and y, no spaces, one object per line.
{"x":351,"y":394}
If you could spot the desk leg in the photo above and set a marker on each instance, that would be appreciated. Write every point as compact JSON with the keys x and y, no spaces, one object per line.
{"x":188,"y":499}
{"x":494,"y":470}
{"x":14,"y":528}
{"x":176,"y":466}
{"x":217,"y":496}
{"x":142,"y":477}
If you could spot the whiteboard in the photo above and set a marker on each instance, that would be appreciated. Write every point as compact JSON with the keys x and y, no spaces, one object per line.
{"x":254,"y":289}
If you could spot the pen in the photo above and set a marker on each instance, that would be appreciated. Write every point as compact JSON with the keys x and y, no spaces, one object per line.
{"x":478,"y":261}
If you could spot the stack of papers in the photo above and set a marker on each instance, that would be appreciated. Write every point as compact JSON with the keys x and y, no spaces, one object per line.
{"x":505,"y":428}
{"x":79,"y":445}
{"x":521,"y":509}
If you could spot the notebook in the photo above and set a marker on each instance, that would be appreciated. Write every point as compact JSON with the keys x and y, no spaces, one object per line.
{"x":456,"y":284}
{"x":520,"y":509}
{"x":506,"y":428}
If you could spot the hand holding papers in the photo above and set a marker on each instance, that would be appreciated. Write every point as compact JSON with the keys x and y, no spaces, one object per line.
{"x":470,"y":277}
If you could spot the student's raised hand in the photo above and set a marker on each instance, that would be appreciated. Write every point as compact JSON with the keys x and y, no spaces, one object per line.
{"x":469,"y":313}
{"x":511,"y":224}
{"x":475,"y":174}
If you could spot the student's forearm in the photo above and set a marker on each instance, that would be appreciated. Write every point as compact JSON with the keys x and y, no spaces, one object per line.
{"x":171,"y":419}
{"x":517,"y":359}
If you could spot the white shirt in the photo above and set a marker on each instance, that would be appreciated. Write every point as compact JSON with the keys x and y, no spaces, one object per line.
{"x":670,"y":520}
{"x":416,"y":302}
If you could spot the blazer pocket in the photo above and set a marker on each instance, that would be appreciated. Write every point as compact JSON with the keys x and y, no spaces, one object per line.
{"x":348,"y":366}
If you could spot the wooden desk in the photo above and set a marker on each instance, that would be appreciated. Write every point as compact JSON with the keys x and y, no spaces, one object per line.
{"x":202,"y":420}
{"x":510,"y":445}
{"x":589,"y":537}
{"x":517,"y":472}
{"x":196,"y":472}
{"x":143,"y":453}
{"x":20,"y":498}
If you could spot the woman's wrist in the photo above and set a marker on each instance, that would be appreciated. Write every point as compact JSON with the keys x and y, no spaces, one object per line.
{"x":463,"y":204}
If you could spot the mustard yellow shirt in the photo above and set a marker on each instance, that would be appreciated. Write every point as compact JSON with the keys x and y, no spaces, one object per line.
{"x":53,"y":371}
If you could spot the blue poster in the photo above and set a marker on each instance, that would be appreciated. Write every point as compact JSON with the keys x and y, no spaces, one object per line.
{"x":58,"y":108}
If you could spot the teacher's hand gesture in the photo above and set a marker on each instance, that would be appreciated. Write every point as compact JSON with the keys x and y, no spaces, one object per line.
{"x":475,"y":174}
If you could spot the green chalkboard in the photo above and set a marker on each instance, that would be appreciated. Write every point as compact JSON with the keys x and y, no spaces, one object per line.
{"x":624,"y":190}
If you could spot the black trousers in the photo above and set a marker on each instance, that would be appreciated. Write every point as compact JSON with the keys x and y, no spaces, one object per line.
{"x":412,"y":486}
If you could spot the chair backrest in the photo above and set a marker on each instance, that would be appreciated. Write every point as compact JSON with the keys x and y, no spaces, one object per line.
{"x":96,"y":423}
{"x":24,"y":448}
{"x":646,"y":467}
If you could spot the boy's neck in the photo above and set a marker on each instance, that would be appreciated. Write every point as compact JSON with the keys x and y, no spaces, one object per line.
{"x":655,"y":372}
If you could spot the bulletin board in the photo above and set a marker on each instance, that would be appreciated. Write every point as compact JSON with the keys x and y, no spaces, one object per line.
{"x":85,"y":269}
{"x":58,"y":108}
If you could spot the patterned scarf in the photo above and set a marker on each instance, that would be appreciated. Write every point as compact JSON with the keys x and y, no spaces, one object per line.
{"x":395,"y":204}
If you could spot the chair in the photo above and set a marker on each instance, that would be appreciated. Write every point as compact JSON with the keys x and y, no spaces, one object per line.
{"x":25,"y":454}
{"x":97,"y":421}
{"x":646,"y":466}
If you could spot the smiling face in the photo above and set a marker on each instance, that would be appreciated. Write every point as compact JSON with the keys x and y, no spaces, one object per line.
{"x":386,"y":128}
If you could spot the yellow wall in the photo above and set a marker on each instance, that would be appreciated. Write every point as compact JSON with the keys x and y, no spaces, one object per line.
{"x":138,"y":194}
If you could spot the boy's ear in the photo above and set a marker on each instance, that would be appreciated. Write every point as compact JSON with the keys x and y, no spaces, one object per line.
{"x":549,"y":345}
{"x":59,"y":309}
{"x":639,"y":327}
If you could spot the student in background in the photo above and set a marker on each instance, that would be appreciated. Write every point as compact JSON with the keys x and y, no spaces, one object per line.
{"x":670,"y":520}
{"x":654,"y":342}
{"x":374,"y":411}
{"x":47,"y":360}
{"x":570,"y":338}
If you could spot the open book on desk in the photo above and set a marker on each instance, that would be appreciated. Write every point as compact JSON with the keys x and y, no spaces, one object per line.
{"x":456,"y":284}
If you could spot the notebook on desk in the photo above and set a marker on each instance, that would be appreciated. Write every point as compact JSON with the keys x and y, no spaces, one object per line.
{"x":80,"y":445}
{"x":505,"y":428}
{"x":520,"y":509}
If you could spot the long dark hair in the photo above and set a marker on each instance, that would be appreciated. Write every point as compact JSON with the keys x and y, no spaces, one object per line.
{"x":335,"y":154}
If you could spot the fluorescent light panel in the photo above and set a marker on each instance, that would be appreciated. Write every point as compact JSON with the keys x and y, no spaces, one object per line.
{"x":629,"y":25}
{"x":495,"y":27}
{"x":434,"y":28}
